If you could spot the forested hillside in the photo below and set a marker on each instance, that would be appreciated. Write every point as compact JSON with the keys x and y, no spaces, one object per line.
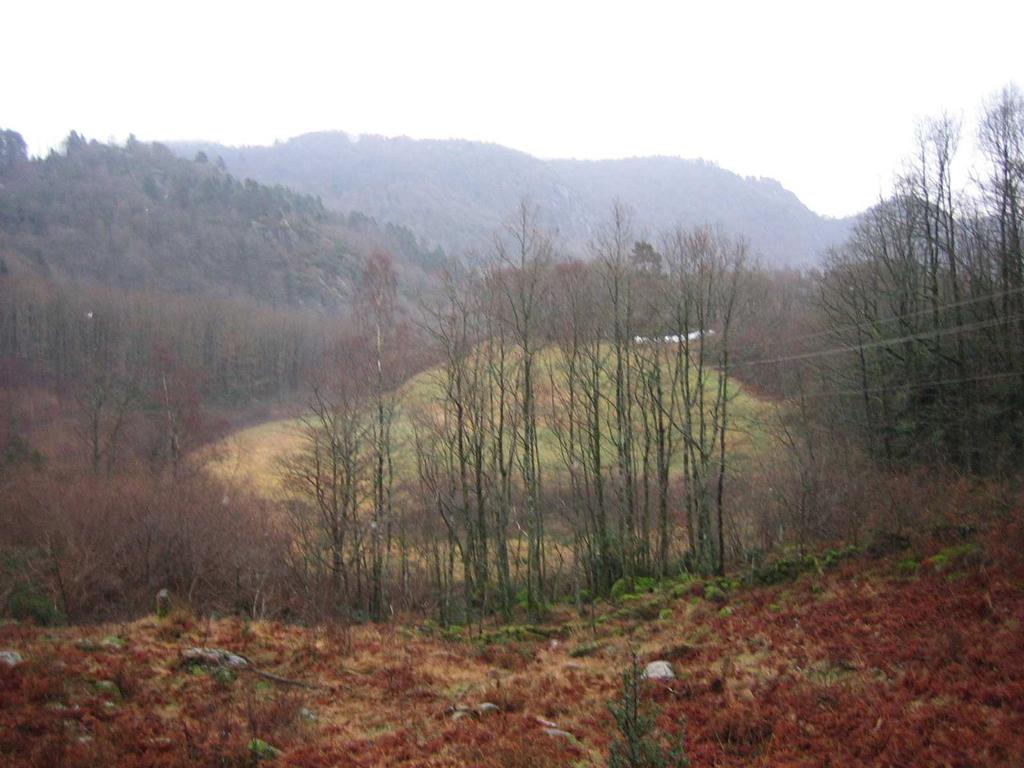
{"x":137,"y":217}
{"x":669,"y":190}
{"x":456,"y":193}
{"x":140,"y":293}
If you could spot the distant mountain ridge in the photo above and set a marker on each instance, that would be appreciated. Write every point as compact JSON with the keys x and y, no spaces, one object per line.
{"x":456,"y":193}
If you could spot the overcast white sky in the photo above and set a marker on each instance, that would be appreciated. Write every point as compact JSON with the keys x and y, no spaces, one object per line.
{"x":819,"y":95}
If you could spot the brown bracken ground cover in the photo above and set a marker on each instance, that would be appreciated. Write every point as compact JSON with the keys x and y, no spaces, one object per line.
{"x":896,"y":661}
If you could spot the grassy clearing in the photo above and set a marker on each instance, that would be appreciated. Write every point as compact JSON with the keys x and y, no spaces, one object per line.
{"x":252,"y":455}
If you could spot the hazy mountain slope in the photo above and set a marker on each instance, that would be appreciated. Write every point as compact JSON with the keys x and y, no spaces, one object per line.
{"x":664,"y":191}
{"x":138,"y":217}
{"x":456,"y":193}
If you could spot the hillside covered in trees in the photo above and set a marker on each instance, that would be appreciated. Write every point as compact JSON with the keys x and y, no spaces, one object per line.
{"x":136,"y":217}
{"x":456,"y":193}
{"x":141,"y":293}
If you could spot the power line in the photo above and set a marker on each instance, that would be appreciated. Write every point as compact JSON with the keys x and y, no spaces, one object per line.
{"x":913,"y":385}
{"x":895,"y":318}
{"x":965,"y":328}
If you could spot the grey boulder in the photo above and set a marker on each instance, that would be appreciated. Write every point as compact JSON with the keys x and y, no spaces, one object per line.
{"x":10,"y":658}
{"x":659,"y":670}
{"x":213,"y":657}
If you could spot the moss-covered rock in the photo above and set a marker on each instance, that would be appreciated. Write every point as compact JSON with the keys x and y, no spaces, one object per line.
{"x":261,"y":750}
{"x":679,"y":591}
{"x":639,"y":609}
{"x":644,"y":584}
{"x":833,"y":557}
{"x":952,"y":557}
{"x":908,"y":567}
{"x":585,"y":649}
{"x":714,"y":593}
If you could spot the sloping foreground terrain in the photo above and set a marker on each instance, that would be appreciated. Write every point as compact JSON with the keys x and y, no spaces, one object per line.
{"x":911,"y":659}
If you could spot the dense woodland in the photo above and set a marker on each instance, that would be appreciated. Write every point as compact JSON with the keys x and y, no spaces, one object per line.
{"x":114,"y":257}
{"x":653,"y":403}
{"x":137,"y":217}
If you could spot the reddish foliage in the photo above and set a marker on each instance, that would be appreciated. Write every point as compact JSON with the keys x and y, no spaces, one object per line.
{"x":858,"y":667}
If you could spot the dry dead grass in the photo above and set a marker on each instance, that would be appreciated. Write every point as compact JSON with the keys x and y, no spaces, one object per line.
{"x":252,"y":455}
{"x":872,"y":675}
